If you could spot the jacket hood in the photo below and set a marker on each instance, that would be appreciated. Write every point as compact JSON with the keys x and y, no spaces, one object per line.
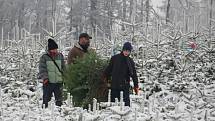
{"x":79,"y":46}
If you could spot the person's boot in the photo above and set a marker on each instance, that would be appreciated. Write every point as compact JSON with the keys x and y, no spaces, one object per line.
{"x":58,"y":103}
{"x":46,"y":105}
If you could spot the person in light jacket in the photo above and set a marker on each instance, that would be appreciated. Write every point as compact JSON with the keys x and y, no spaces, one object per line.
{"x":51,"y":66}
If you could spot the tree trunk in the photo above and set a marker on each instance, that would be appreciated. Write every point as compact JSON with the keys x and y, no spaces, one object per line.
{"x":93,"y":15}
{"x":167,"y":12}
{"x":133,"y":16}
{"x":38,"y":17}
{"x":45,"y":20}
{"x":20,"y":20}
{"x":147,"y":16}
{"x":141,"y":11}
{"x":147,"y":11}
{"x":110,"y":16}
{"x":124,"y":14}
{"x":70,"y":15}
{"x":54,"y":8}
{"x":131,"y":8}
{"x":210,"y":22}
{"x":186,"y":17}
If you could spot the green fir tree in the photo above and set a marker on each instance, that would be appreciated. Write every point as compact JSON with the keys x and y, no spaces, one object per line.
{"x":83,"y":79}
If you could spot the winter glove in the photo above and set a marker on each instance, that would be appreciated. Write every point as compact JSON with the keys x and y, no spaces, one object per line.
{"x":136,"y":90}
{"x":45,"y":82}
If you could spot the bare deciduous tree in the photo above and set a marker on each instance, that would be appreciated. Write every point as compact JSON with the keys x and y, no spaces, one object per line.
{"x":167,"y":11}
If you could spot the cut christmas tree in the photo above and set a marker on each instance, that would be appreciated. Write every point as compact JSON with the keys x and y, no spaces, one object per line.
{"x":83,"y":79}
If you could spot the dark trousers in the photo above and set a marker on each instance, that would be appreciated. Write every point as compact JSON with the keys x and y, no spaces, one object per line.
{"x":50,"y":88}
{"x":115,"y":93}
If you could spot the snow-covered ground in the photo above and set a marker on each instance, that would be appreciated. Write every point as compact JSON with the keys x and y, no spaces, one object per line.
{"x":175,"y":86}
{"x":192,"y":99}
{"x":20,"y":104}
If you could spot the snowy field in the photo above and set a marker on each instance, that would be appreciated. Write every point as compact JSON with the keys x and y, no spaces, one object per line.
{"x":197,"y":104}
{"x":174,"y":53}
{"x":188,"y":100}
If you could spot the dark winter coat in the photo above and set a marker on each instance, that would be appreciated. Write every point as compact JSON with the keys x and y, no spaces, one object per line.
{"x":75,"y":52}
{"x":48,"y":70}
{"x":121,"y":68}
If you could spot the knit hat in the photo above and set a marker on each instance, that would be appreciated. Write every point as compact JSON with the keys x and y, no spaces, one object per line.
{"x":52,"y":44}
{"x":127,"y":46}
{"x":85,"y":35}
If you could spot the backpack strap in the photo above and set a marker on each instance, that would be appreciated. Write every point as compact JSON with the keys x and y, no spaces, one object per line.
{"x":55,"y":64}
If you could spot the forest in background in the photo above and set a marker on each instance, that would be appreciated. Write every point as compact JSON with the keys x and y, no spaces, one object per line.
{"x":106,"y":20}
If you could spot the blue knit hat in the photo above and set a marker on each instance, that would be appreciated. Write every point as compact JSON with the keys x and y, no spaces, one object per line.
{"x":127,"y":46}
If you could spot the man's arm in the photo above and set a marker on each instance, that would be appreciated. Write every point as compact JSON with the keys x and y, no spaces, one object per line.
{"x":108,"y":70}
{"x":134,"y":76}
{"x":71,"y":56}
{"x":43,"y":73}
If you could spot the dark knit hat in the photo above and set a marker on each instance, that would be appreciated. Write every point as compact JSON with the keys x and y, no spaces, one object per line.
{"x":52,"y":44}
{"x":127,"y":46}
{"x":85,"y":35}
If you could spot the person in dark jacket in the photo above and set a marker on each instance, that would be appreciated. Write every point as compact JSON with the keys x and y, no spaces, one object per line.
{"x":80,"y":48}
{"x":120,"y":69}
{"x":51,"y":66}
